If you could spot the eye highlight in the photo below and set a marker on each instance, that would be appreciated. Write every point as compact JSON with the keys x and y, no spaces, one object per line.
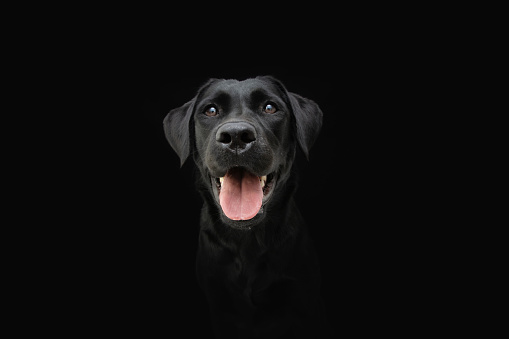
{"x":270,"y":108}
{"x":211,"y":111}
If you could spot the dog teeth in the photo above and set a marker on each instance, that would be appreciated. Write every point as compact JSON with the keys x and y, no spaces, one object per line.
{"x":263,"y":179}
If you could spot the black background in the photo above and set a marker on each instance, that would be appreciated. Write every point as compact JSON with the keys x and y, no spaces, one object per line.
{"x":137,"y":219}
{"x":108,"y":222}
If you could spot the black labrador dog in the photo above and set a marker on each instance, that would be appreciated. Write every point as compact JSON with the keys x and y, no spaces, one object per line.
{"x":255,"y":261}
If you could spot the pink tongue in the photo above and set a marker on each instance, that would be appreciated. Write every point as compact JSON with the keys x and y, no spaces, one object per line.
{"x":241,"y":194}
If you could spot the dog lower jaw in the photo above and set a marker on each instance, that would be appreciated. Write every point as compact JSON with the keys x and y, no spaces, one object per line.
{"x":243,"y":225}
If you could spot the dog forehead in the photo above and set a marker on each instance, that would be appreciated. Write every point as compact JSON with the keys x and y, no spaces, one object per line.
{"x":242,"y":88}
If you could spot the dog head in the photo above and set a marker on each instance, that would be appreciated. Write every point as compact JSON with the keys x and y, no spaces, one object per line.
{"x":243,"y":136}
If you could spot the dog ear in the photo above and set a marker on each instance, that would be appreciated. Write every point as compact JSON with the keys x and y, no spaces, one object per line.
{"x":308,"y":117}
{"x":177,"y":125}
{"x":176,"y":129}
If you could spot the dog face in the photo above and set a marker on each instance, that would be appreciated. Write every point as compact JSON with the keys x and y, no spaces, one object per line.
{"x":243,"y":137}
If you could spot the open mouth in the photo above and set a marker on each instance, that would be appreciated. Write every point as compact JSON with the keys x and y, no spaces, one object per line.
{"x":242,"y":194}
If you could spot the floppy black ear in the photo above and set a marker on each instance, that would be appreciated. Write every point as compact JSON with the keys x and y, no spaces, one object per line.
{"x":308,"y":117}
{"x":176,"y":129}
{"x":176,"y":125}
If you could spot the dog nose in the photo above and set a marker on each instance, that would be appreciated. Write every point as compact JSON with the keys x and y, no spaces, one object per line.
{"x":236,"y":135}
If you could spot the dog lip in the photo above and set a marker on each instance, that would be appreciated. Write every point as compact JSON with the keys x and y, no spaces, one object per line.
{"x":222,"y":172}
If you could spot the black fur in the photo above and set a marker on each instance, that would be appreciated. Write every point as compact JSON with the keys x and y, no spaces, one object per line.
{"x":261,"y":276}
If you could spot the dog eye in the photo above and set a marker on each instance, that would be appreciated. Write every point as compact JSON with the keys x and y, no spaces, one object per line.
{"x":211,"y":111}
{"x":270,"y":108}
